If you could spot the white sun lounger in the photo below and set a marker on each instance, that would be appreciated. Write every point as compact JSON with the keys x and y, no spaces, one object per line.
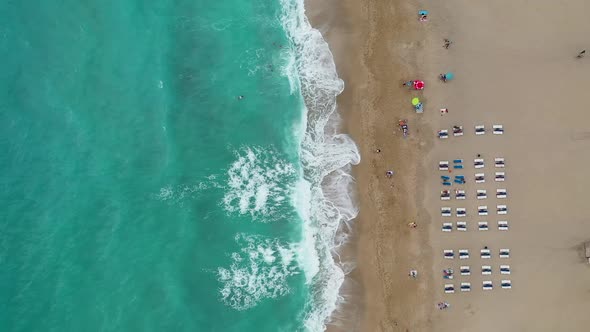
{"x":480,"y":130}
{"x":506,"y":284}
{"x":499,"y":162}
{"x":442,"y":134}
{"x":485,"y":253}
{"x":480,"y":178}
{"x":447,"y":227}
{"x":445,"y":195}
{"x":504,"y":269}
{"x":487,"y":285}
{"x":501,"y":193}
{"x":461,"y":212}
{"x":482,"y":225}
{"x":445,"y":211}
{"x":460,"y":194}
{"x":449,"y":288}
{"x":457,"y":130}
{"x":443,"y":165}
{"x":465,"y":286}
{"x":461,"y":226}
{"x":504,"y":253}
{"x":465,"y":270}
{"x":500,"y":176}
{"x":498,"y":129}
{"x":481,"y":194}
{"x":449,"y":254}
{"x":463,"y":254}
{"x":501,"y":209}
{"x":478,"y":163}
{"x":486,"y":270}
{"x":502,"y":225}
{"x":482,"y":210}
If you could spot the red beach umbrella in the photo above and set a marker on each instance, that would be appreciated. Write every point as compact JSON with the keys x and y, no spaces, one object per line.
{"x":419,"y":85}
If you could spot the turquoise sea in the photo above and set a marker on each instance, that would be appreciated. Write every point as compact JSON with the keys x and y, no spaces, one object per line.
{"x":169,"y":166}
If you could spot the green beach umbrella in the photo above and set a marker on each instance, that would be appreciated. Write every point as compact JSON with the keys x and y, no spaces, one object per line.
{"x":415,"y":101}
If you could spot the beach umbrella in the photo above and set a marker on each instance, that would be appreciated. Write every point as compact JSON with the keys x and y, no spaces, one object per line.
{"x":449,"y":76}
{"x":415,"y":101}
{"x":419,"y":85}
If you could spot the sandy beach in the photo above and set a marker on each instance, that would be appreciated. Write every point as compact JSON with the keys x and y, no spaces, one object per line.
{"x":377,"y":45}
{"x":514,"y":64}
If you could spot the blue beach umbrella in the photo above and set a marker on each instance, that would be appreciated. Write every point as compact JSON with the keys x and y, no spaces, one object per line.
{"x":449,"y":76}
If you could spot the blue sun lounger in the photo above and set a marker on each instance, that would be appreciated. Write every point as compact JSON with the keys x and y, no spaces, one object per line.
{"x":459,"y":176}
{"x":446,"y":183}
{"x":458,"y":161}
{"x":459,"y":181}
{"x":458,"y":166}
{"x":444,"y":177}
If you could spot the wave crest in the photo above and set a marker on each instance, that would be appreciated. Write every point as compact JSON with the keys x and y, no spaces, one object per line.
{"x":259,"y":271}
{"x":327,"y":156}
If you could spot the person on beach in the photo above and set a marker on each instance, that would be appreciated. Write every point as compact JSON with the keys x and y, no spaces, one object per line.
{"x":444,"y":111}
{"x":377,"y":150}
{"x":413,"y":224}
{"x":447,"y":44}
{"x":581,"y":54}
{"x":413,"y":273}
{"x":423,"y":15}
{"x":389,"y":174}
{"x":443,"y":305}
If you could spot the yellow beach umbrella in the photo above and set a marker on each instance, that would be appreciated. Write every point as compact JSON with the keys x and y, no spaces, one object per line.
{"x":415,"y":101}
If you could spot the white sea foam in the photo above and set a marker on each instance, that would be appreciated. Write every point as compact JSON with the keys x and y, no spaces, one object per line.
{"x":258,"y":184}
{"x":180,"y":193}
{"x":323,"y":197}
{"x":259,"y":271}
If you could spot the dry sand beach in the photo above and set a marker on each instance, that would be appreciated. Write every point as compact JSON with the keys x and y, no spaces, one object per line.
{"x":514,"y":64}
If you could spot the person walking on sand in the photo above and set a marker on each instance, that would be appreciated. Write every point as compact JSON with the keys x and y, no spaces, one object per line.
{"x":581,"y":54}
{"x":447,"y":43}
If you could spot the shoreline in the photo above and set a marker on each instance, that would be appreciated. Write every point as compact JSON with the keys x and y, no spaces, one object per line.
{"x":379,"y":294}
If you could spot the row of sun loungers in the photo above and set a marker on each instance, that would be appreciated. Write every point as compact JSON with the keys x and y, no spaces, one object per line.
{"x":484,"y":253}
{"x":479,"y":130}
{"x":500,"y":193}
{"x":482,"y":210}
{"x":486,"y":285}
{"x":481,"y":225}
{"x":479,"y":178}
{"x":457,"y":131}
{"x":445,"y":195}
{"x":498,"y":163}
{"x":443,"y":165}
{"x":465,"y":270}
{"x":496,"y":129}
